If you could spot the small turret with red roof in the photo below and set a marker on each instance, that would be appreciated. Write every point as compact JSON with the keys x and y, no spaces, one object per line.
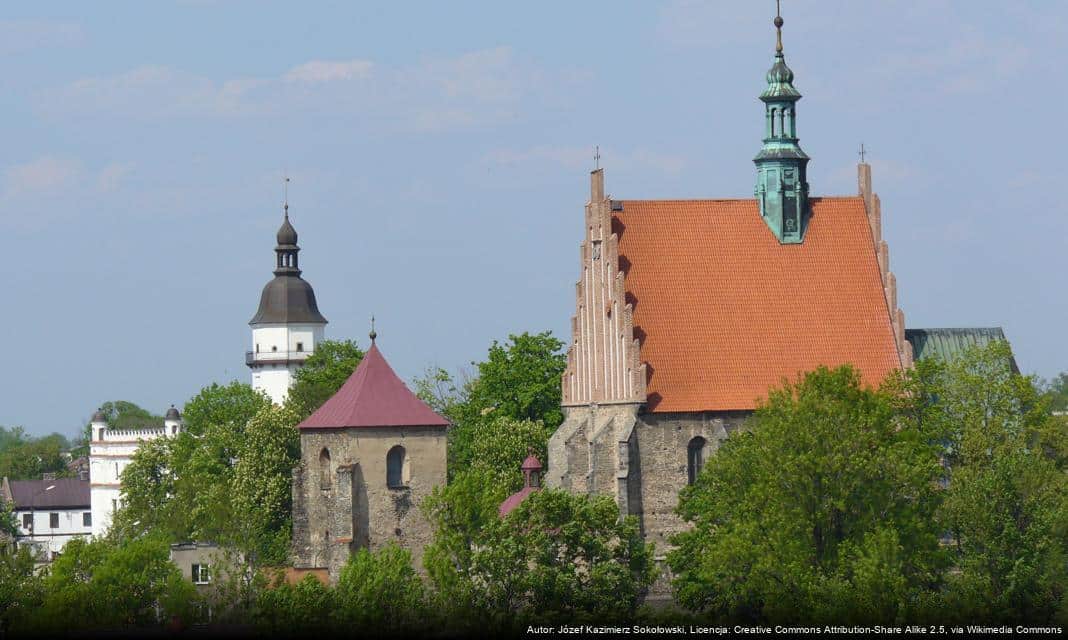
{"x":531,"y":483}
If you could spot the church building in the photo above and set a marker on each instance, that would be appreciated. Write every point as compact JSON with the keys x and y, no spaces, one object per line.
{"x":368,"y":457}
{"x":287,"y":326}
{"x":688,"y":311}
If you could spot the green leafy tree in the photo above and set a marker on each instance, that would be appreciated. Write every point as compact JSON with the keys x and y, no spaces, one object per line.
{"x":122,"y":415}
{"x":1006,"y":506}
{"x":262,"y":487}
{"x":499,"y":446}
{"x":580,"y":560}
{"x":822,"y":509}
{"x":183,"y":486}
{"x":1057,"y":392}
{"x":519,"y":380}
{"x":21,"y":588}
{"x":24,"y":457}
{"x":322,"y":375}
{"x":380,"y":592}
{"x":300,"y":609}
{"x":103,"y":584}
{"x":460,"y":513}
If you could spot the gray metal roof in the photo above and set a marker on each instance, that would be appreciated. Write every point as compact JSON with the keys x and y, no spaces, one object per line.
{"x":71,"y":493}
{"x":948,"y":343}
{"x":287,"y":298}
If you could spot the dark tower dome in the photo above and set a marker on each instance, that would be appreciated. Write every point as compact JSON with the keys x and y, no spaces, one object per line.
{"x":98,"y":416}
{"x":172,"y":414}
{"x":287,"y":235}
{"x":287,"y":298}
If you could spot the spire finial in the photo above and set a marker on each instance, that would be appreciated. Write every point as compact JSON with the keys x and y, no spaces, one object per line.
{"x":597,"y":156}
{"x":373,"y":333}
{"x":862,"y":153}
{"x":285,"y":196}
{"x":778,"y":26}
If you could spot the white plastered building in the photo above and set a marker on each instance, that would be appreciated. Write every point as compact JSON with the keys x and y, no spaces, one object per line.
{"x":110,"y":452}
{"x":287,"y":326}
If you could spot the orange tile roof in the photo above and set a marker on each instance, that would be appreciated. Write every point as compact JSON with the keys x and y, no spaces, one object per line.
{"x":724,"y":312}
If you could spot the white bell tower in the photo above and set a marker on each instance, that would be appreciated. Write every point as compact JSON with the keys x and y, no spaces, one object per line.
{"x":287,"y":326}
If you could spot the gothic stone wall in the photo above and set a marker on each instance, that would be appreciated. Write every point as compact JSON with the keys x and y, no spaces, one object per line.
{"x":640,"y":459}
{"x":352,"y":507}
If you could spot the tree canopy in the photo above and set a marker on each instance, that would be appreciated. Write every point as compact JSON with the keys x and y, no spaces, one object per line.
{"x":942,"y":496}
{"x":25,"y":457}
{"x":822,"y":507}
{"x":519,"y":381}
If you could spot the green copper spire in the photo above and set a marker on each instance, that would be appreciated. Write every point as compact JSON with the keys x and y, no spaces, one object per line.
{"x":782,"y":184}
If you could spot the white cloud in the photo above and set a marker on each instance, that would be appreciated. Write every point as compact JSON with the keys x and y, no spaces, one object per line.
{"x":328,"y":71}
{"x":969,"y":61}
{"x":110,"y":177}
{"x":474,"y":89}
{"x":47,"y":174}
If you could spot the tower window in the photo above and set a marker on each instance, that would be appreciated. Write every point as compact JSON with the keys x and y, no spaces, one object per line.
{"x":695,"y":458}
{"x":397,"y":468}
{"x":324,"y":469}
{"x":257,"y":347}
{"x":300,"y":347}
{"x":274,"y":347}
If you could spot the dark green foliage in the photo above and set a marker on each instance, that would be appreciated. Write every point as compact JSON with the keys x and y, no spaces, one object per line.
{"x":21,"y":588}
{"x":821,"y":510}
{"x":1006,"y":506}
{"x":122,"y":415}
{"x":226,"y":479}
{"x":377,"y":594}
{"x":24,"y":457}
{"x":105,"y":585}
{"x":1057,"y":392}
{"x":557,"y":557}
{"x":301,"y":609}
{"x":322,"y":375}
{"x":828,"y":507}
{"x":518,"y":381}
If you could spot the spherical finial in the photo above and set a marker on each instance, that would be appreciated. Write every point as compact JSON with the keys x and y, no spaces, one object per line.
{"x":778,"y":22}
{"x":373,"y":333}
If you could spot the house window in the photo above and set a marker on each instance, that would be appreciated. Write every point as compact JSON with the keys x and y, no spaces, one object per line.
{"x":274,"y":348}
{"x":324,"y":469}
{"x":695,"y":458}
{"x":87,"y":519}
{"x":27,"y":521}
{"x":397,"y":472}
{"x":201,"y":574}
{"x":300,"y":347}
{"x":53,"y":520}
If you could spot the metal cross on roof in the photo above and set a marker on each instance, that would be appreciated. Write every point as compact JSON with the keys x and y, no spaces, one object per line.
{"x":597,"y":157}
{"x":285,"y":195}
{"x":862,"y":153}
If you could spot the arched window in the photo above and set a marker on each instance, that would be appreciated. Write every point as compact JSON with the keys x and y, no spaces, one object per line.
{"x":397,"y":473}
{"x":774,"y":115}
{"x":324,"y":469}
{"x":695,"y":458}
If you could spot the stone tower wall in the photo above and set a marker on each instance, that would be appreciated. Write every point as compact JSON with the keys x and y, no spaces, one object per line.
{"x":355,"y":508}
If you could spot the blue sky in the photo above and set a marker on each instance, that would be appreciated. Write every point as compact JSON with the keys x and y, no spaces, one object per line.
{"x":439,"y":155}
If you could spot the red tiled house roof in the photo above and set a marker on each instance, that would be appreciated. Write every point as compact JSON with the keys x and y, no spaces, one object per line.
{"x":709,"y":310}
{"x":373,"y":396}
